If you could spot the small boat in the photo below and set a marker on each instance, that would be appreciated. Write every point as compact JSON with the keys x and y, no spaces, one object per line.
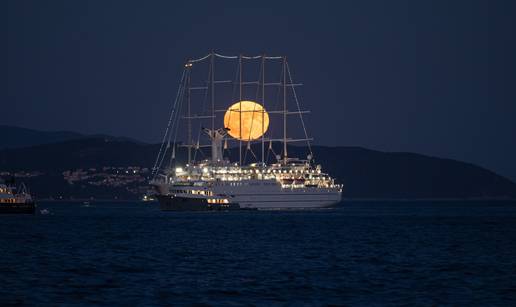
{"x":15,"y":200}
{"x":148,"y":197}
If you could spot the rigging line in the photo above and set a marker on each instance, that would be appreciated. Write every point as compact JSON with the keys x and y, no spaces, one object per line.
{"x":198,"y":148}
{"x":233,"y":94}
{"x":169,"y":122}
{"x":273,"y":152}
{"x":277,"y":100}
{"x":254,"y":155}
{"x":199,"y":59}
{"x":175,"y":122}
{"x":248,"y":57}
{"x":225,"y":56}
{"x":299,"y":110}
{"x":178,"y":114}
{"x":204,"y":101}
{"x":154,"y":169}
{"x":245,"y":157}
{"x":276,"y":155}
{"x":195,"y":154}
{"x":254,"y":109}
{"x":173,"y":146}
{"x":252,"y":152}
{"x":202,"y":153}
{"x":254,"y":57}
{"x":175,"y":115}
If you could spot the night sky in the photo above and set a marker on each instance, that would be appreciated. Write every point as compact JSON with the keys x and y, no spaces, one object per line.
{"x":432,"y":77}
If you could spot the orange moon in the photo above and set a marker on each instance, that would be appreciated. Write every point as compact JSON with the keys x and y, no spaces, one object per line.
{"x":252,"y":114}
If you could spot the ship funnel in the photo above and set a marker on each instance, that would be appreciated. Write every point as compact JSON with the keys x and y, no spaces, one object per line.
{"x":216,"y":137}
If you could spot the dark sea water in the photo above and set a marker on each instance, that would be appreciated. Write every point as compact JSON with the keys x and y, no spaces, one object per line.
{"x":363,"y":253}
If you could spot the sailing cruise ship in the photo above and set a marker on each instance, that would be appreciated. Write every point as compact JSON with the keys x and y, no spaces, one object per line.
{"x":252,"y":180}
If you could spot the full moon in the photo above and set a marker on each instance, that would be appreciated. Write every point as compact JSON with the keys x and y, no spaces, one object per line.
{"x":255,"y":120}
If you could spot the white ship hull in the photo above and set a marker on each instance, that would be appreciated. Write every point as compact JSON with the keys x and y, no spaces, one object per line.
{"x":259,"y":194}
{"x":268,"y":194}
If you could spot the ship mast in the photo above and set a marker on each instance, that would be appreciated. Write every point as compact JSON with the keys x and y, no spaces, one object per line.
{"x":212,"y":79}
{"x":240,"y":106}
{"x":185,"y":84}
{"x":189,"y":142}
{"x":263,"y":110}
{"x":285,"y":155}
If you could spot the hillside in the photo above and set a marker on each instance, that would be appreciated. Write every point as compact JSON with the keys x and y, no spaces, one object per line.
{"x":108,"y":168}
{"x":17,"y":137}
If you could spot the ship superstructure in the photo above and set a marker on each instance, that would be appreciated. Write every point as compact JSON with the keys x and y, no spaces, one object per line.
{"x":247,"y":180}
